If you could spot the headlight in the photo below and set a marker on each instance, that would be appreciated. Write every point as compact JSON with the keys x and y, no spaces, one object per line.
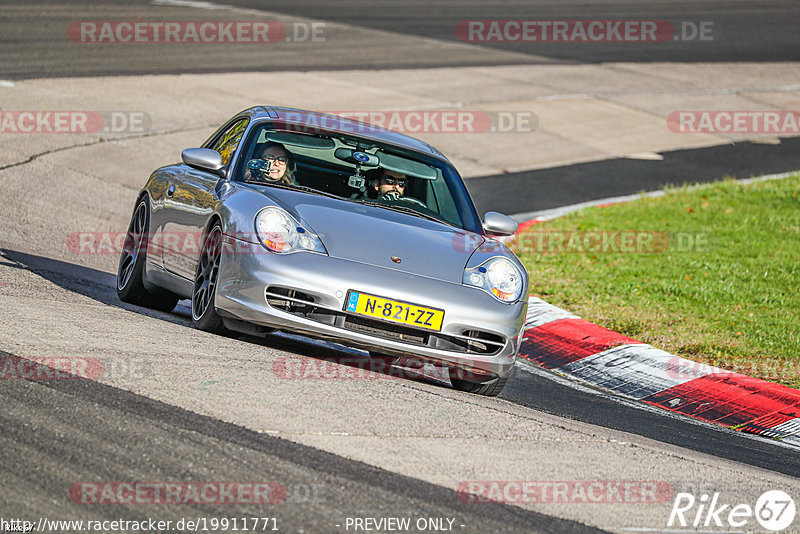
{"x":280,"y":232}
{"x":497,"y":276}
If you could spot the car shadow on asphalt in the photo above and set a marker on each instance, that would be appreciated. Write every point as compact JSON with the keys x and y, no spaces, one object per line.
{"x":100,"y":286}
{"x":133,"y":434}
{"x":93,"y":283}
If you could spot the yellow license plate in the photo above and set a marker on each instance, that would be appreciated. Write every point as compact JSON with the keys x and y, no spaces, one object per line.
{"x":394,"y":311}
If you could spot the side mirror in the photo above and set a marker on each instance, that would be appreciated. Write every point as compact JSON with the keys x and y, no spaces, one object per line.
{"x":203,"y":159}
{"x":498,"y":224}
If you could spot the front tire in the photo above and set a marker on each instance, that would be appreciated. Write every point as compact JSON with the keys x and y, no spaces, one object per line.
{"x":130,"y":273}
{"x":204,"y":313}
{"x":491,"y":388}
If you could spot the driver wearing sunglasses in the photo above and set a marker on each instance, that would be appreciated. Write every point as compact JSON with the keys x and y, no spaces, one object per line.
{"x":390,"y":185}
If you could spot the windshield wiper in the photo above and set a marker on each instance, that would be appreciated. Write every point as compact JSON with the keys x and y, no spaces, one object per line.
{"x":410,"y":211}
{"x":303,"y":188}
{"x":312,"y":190}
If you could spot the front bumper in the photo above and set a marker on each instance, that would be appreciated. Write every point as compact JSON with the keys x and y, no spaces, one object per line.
{"x":479,"y":334}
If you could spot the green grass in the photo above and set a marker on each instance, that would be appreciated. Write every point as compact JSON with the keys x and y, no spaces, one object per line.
{"x":733,"y":302}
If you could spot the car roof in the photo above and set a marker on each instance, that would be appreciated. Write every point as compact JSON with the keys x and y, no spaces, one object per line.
{"x":341,"y":125}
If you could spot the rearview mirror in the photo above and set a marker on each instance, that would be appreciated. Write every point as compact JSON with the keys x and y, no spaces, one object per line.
{"x":498,"y":224}
{"x":411,"y":168}
{"x":203,"y":159}
{"x":356,"y":157}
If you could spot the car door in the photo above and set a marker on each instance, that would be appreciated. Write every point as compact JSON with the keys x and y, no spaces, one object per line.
{"x":191,"y":199}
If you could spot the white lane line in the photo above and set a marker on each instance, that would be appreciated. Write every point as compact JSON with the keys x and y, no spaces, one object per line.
{"x":648,"y":156}
{"x":677,"y":92}
{"x":546,"y":215}
{"x":189,"y":3}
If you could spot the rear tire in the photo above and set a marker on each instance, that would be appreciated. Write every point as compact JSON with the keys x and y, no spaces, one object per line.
{"x":130,"y":273}
{"x":204,"y":313}
{"x":491,"y":388}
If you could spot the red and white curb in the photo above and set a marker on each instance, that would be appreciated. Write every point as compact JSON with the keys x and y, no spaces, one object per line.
{"x":560,"y":341}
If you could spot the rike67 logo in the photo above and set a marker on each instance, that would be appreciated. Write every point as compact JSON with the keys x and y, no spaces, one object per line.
{"x":774,"y":510}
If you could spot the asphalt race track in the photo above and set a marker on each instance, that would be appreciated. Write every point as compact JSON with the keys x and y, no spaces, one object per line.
{"x":180,"y":405}
{"x":107,"y":428}
{"x":750,"y":31}
{"x":583,"y":182}
{"x":533,"y":390}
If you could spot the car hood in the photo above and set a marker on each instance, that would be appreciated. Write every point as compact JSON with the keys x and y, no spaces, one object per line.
{"x":373,"y":235}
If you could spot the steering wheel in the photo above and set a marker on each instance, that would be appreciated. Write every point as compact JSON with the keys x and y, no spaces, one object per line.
{"x":412,"y":200}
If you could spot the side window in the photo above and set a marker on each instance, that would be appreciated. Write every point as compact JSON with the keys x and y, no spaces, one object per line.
{"x":229,"y":140}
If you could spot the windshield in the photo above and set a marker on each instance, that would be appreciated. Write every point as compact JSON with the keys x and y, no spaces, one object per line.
{"x":357,"y":169}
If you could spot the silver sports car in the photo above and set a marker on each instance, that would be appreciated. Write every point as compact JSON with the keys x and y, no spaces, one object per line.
{"x":332,"y":228}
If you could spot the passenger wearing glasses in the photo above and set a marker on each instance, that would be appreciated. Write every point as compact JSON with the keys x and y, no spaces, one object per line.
{"x":280,"y":165}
